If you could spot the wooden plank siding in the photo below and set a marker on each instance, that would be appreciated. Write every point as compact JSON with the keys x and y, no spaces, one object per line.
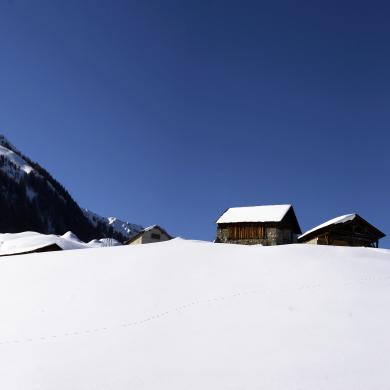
{"x":244,"y":232}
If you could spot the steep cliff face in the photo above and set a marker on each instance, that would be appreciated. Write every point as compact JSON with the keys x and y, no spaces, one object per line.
{"x":31,"y":199}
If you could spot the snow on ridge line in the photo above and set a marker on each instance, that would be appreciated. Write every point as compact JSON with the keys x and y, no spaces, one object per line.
{"x":15,"y":159}
{"x":8,"y":150}
{"x":4,"y":141}
{"x":127,"y":229}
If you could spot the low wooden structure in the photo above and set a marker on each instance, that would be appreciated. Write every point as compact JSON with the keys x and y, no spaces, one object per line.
{"x":347,"y":230}
{"x":149,"y":235}
{"x":264,"y":225}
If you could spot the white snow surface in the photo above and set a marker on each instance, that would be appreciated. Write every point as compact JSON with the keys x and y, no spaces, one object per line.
{"x":193,"y":315}
{"x":103,"y":242}
{"x":272,"y":213}
{"x":334,"y":221}
{"x":71,"y":236}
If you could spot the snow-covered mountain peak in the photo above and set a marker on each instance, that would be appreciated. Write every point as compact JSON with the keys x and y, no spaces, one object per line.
{"x":123,"y":228}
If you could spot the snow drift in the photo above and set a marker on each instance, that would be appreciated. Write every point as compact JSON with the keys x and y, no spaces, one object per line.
{"x":25,"y":242}
{"x":16,"y":243}
{"x":195,"y":315}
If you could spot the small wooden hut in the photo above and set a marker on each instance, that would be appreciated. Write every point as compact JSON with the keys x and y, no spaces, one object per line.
{"x":347,"y":230}
{"x":265,"y":225}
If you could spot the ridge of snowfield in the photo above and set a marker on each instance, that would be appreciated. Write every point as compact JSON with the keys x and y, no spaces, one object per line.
{"x":193,"y":315}
{"x":126,"y":229}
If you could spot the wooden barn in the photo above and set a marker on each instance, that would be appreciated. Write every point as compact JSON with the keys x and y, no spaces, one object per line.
{"x":265,"y":225}
{"x":347,"y":230}
{"x":149,"y":235}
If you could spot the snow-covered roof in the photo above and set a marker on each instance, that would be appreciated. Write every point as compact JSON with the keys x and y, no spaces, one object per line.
{"x":151,"y":228}
{"x":17,"y":243}
{"x":272,"y":213}
{"x":334,"y":221}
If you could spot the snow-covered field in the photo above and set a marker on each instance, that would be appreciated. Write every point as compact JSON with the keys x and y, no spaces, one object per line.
{"x":186,"y":315}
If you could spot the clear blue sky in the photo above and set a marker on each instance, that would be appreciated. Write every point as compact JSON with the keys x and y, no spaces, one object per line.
{"x":169,"y":112}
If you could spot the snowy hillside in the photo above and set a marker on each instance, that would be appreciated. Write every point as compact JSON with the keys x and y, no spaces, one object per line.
{"x":194,"y":315}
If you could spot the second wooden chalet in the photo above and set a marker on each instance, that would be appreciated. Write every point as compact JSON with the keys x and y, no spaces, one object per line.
{"x":347,"y":230}
{"x":265,"y":225}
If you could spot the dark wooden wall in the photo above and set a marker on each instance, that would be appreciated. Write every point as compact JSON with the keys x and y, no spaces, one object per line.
{"x":243,"y":232}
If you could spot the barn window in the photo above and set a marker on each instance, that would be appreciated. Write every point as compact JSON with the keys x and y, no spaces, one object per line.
{"x":245,"y":232}
{"x":156,"y":236}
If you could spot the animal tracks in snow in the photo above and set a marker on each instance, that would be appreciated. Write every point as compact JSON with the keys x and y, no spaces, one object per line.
{"x":185,"y":307}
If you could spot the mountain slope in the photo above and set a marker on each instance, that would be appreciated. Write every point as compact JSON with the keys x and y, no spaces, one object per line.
{"x":126,"y":229}
{"x":193,"y":315}
{"x":32,"y":200}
